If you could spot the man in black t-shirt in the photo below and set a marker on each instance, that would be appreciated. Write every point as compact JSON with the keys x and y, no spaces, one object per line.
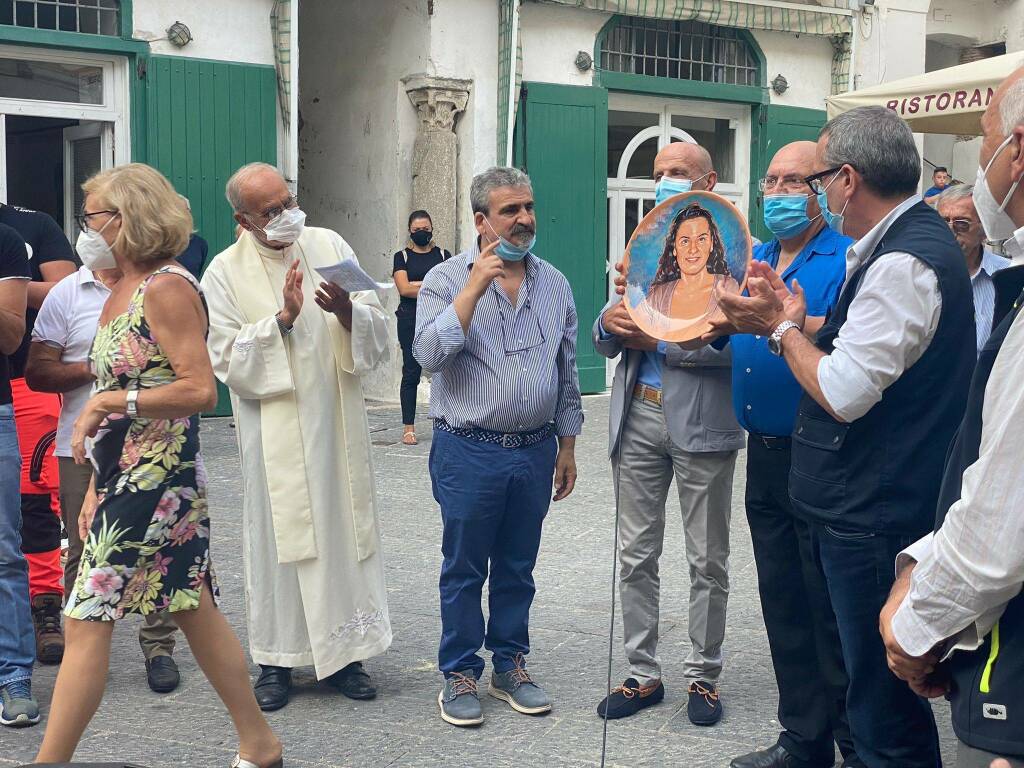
{"x":50,"y":259}
{"x":17,"y":654}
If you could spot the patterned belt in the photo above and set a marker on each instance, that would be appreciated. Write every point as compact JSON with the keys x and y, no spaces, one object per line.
{"x":504,"y":439}
{"x":647,"y":394}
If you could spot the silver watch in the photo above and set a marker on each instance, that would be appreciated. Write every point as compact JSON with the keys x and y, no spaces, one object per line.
{"x":131,"y":407}
{"x":775,"y":340}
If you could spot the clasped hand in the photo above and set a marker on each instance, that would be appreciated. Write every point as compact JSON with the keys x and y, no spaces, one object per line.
{"x":769,"y":303}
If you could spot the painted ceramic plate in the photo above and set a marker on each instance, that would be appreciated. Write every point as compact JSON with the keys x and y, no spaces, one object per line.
{"x":679,"y":252}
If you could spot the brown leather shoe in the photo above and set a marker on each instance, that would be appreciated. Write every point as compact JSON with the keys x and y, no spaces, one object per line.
{"x":46,"y":610}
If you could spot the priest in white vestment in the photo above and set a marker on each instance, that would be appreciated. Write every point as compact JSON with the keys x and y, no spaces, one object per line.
{"x":291,"y":349}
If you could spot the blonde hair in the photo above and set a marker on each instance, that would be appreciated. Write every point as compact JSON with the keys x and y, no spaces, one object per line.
{"x":155,"y":223}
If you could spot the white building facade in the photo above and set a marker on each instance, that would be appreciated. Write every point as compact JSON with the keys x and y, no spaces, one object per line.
{"x":374,"y":109}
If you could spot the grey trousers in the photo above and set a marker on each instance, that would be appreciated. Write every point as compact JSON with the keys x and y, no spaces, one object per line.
{"x":645,"y":464}
{"x":969,"y":757}
{"x":156,"y":635}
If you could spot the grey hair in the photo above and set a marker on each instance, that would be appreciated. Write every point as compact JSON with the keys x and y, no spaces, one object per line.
{"x":486,"y":182}
{"x":954,"y":193}
{"x":879,"y":145}
{"x":233,"y":189}
{"x":1011,"y":108}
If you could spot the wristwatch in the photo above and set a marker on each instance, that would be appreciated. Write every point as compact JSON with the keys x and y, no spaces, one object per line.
{"x":775,"y":340}
{"x":282,"y":326}
{"x":131,"y":404}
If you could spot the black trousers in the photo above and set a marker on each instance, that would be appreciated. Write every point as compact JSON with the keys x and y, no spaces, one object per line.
{"x":802,"y":634}
{"x":411,"y":370}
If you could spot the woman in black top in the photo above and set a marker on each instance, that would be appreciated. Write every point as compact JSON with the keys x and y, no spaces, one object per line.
{"x":411,"y":266}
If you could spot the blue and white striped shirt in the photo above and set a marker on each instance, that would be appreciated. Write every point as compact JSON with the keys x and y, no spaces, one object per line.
{"x":515,"y":370}
{"x":985,"y":293}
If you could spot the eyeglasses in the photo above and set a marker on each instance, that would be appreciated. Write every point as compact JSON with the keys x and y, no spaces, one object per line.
{"x":770,"y":184}
{"x":815,"y":181}
{"x":277,"y":210}
{"x":82,"y":219}
{"x":959,"y":226}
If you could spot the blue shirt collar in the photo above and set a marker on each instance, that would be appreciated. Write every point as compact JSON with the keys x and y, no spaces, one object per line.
{"x":991,"y":262}
{"x":826,"y":242}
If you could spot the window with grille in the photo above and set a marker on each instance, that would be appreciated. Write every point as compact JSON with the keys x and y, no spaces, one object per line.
{"x":683,"y":50}
{"x":96,"y":17}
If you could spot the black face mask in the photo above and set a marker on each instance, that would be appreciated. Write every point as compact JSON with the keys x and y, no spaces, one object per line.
{"x":421,"y":237}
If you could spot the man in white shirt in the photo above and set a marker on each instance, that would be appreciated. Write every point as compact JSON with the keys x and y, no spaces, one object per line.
{"x":956,"y":206}
{"x":958,"y":596}
{"x":885,"y":381}
{"x":58,"y":361}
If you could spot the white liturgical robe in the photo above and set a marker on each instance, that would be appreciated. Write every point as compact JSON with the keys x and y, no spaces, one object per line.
{"x":314,"y":577}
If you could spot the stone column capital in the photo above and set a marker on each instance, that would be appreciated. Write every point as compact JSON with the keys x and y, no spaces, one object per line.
{"x":438,"y":100}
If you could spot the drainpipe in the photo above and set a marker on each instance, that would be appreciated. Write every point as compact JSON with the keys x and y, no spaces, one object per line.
{"x":513,"y":56}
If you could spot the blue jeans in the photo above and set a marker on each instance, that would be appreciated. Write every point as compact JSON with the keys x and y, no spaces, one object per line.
{"x":892,"y":727}
{"x":493,"y":503}
{"x":17,"y":639}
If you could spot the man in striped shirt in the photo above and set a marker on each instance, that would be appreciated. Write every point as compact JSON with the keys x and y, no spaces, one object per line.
{"x":496,"y":325}
{"x":956,"y":205}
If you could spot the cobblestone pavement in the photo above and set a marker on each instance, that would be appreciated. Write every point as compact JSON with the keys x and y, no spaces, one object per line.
{"x":569,"y":637}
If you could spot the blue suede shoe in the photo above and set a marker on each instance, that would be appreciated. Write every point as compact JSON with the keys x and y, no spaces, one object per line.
{"x":517,"y":689}
{"x":458,"y":700}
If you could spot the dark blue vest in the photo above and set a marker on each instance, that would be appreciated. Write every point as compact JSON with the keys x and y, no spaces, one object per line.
{"x":881,"y":473}
{"x":987,"y":695}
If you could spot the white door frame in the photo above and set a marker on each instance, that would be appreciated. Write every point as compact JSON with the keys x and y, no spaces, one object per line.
{"x":105,"y":131}
{"x":116,"y":98}
{"x":623,"y":191}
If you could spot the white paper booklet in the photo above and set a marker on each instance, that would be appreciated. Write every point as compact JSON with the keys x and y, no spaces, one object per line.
{"x":347,"y":274}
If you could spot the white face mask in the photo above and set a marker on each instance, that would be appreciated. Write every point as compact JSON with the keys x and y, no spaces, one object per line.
{"x":286,"y":226}
{"x":93,"y":250}
{"x":994,"y":219}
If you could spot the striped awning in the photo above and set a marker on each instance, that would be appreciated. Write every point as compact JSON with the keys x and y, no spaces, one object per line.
{"x":281,"y":31}
{"x":726,"y":13}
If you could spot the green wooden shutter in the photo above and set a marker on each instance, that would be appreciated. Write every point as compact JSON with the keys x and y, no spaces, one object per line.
{"x":204,"y":120}
{"x":777,"y":126}
{"x":562,"y":142}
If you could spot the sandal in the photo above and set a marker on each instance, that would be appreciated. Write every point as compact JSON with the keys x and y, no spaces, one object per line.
{"x":409,"y":438}
{"x":240,"y":762}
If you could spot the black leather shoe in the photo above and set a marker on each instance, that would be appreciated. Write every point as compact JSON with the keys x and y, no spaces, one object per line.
{"x":353,"y":681}
{"x":162,"y":674}
{"x":704,"y":706}
{"x":775,"y":756}
{"x":629,"y":698}
{"x":272,"y":687}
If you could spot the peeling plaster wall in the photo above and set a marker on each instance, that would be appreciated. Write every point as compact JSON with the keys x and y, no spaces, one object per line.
{"x":357,"y":131}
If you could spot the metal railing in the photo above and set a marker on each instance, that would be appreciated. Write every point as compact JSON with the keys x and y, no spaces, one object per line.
{"x":683,"y":50}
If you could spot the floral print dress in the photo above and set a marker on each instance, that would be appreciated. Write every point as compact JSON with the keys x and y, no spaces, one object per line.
{"x":148,"y":549}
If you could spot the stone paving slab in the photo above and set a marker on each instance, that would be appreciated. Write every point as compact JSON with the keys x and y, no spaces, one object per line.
{"x":401,"y":729}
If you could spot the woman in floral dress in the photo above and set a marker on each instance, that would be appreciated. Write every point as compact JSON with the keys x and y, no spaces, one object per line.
{"x":145,"y":522}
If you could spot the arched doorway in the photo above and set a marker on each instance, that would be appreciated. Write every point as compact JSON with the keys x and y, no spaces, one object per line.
{"x":657,"y":58}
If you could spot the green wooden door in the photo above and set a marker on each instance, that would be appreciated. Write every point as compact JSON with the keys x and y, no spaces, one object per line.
{"x":777,"y":126}
{"x":204,"y":120}
{"x":562,"y":142}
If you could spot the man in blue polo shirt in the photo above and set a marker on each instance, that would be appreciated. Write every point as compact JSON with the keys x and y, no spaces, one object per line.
{"x":802,"y":634}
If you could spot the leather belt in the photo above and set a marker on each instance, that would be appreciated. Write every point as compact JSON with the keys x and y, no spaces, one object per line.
{"x":504,"y":439}
{"x":647,"y":394}
{"x":773,"y":443}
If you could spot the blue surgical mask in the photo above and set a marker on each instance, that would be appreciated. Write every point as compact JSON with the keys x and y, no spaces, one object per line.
{"x":508,"y":250}
{"x":786,"y":215}
{"x":669,"y":187}
{"x":834,"y":220}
